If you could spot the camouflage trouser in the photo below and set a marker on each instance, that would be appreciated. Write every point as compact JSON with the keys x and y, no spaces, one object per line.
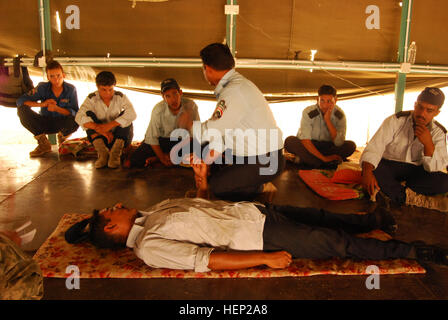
{"x":20,"y":276}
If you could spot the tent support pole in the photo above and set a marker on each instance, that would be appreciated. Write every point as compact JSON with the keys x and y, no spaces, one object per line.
{"x":405,"y":30}
{"x":45,"y":35}
{"x":231,"y":24}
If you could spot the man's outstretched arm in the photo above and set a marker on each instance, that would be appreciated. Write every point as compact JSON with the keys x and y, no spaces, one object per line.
{"x":240,"y":260}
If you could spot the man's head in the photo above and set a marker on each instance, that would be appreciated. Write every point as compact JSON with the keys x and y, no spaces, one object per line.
{"x":55,"y":73}
{"x":326,"y":97}
{"x":105,"y":82}
{"x":217,"y":60}
{"x":108,"y":228}
{"x":428,"y":105}
{"x":172,"y":94}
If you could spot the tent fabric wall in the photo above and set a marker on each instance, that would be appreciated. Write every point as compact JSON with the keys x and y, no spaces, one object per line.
{"x":266,"y":29}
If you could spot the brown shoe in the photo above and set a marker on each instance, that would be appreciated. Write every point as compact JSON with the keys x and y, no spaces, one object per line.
{"x":115,"y":154}
{"x":61,"y":138}
{"x":103,"y":153}
{"x":43,"y":147}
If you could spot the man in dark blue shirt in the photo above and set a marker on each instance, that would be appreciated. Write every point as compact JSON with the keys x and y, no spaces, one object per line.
{"x":58,"y":107}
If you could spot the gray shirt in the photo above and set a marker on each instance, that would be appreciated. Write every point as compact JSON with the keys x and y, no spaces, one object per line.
{"x":313,"y":126}
{"x":182,"y":233}
{"x":163,"y":121}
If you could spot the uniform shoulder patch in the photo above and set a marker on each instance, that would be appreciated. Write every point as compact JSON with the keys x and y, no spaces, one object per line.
{"x":119,"y":93}
{"x":338,"y":114}
{"x":440,"y":126}
{"x":90,"y":96}
{"x":402,"y":114}
{"x":313,"y":113}
{"x":219,"y":110}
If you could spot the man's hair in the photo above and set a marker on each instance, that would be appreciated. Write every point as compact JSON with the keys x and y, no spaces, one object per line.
{"x":217,"y":56}
{"x":105,"y":78}
{"x":53,"y":64}
{"x":101,"y":239}
{"x":327,"y":89}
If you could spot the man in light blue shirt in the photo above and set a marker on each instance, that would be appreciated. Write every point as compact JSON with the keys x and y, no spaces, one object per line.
{"x":244,"y":153}
{"x":320,"y":141}
{"x":164,"y":120}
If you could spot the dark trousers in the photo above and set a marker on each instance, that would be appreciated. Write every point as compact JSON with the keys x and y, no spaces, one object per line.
{"x":125,"y":134}
{"x":38,"y":124}
{"x":244,"y":179}
{"x":295,"y":146}
{"x":317,"y":234}
{"x":145,"y":151}
{"x":390,"y":174}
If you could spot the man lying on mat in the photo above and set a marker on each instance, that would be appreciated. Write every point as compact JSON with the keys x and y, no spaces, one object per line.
{"x":203,"y":235}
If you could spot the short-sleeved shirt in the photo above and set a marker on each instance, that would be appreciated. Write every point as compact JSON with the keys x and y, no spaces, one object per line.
{"x":395,"y":140}
{"x":163,"y":121}
{"x":313,"y":126}
{"x":241,"y":111}
{"x":120,"y":110}
{"x":182,"y":233}
{"x":68,"y":99}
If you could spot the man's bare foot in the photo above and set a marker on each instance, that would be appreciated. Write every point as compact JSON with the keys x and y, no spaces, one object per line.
{"x":269,"y":191}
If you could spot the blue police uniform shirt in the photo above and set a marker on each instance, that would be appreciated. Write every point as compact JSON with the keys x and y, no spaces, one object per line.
{"x":313,"y":126}
{"x":68,"y":99}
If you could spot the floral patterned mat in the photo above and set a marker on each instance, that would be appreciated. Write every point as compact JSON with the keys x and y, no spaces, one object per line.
{"x":56,"y":255}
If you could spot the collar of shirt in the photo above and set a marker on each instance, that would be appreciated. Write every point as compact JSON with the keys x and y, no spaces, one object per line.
{"x":168,"y":111}
{"x":223,"y":82}
{"x":136,"y":229}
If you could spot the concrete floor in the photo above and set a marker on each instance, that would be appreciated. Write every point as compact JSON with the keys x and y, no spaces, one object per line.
{"x":46,"y":188}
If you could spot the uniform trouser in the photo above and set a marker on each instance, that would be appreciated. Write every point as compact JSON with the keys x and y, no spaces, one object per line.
{"x":145,"y":151}
{"x":316,"y":234}
{"x":389,"y":175}
{"x":295,"y":146}
{"x":38,"y":124}
{"x":244,"y":179}
{"x":126,"y":133}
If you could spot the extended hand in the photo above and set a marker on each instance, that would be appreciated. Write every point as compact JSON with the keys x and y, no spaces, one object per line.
{"x":165,"y":159}
{"x":369,"y":182}
{"x":278,"y":259}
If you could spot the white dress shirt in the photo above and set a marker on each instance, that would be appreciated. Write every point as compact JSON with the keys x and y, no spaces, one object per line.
{"x":395,"y":140}
{"x":182,"y":233}
{"x":119,"y":104}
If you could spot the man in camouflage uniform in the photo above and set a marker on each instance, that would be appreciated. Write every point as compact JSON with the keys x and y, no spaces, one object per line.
{"x":20,"y":276}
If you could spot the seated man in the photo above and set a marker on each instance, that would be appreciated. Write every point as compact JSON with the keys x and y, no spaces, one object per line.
{"x":107,"y":116}
{"x":164,"y":119}
{"x":203,"y":235}
{"x":320,"y":141}
{"x":58,"y":106}
{"x":409,"y":146}
{"x":245,"y":144}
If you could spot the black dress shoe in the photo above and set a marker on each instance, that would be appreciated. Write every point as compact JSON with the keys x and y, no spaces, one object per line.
{"x":429,"y":253}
